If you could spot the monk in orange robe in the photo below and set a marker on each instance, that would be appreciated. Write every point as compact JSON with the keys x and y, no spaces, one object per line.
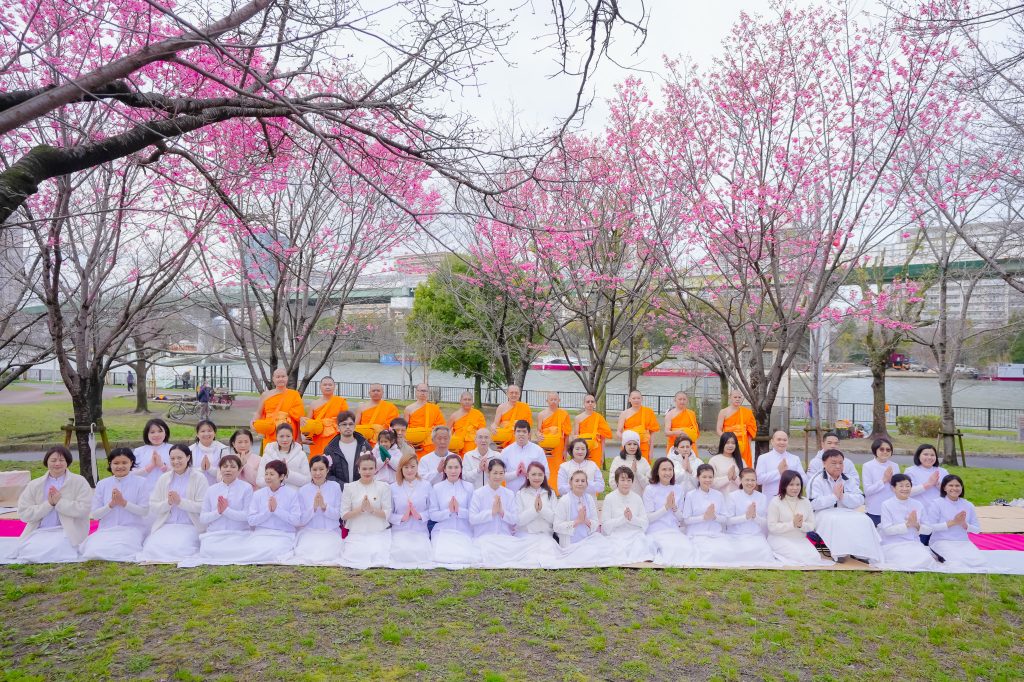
{"x":739,"y":420}
{"x":507,"y":414}
{"x":376,"y":415}
{"x":592,"y":427}
{"x":279,"y":405}
{"x":679,"y":420}
{"x":641,"y":419}
{"x":464,"y":423}
{"x":553,"y":434}
{"x":422,"y":416}
{"x":321,"y":423}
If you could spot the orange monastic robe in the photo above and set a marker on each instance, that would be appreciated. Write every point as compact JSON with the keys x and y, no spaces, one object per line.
{"x":375,"y":419}
{"x":323,"y":426}
{"x":685,"y":421}
{"x":644,"y":422}
{"x":742,"y":423}
{"x":508,"y":421}
{"x":423,"y":421}
{"x":555,"y":430}
{"x":465,"y":428}
{"x":279,"y":408}
{"x":595,"y":430}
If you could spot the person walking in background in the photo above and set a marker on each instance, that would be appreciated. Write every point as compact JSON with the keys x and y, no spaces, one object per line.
{"x":130,"y":381}
{"x":204,"y":396}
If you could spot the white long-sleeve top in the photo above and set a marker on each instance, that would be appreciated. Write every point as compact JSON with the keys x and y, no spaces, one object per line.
{"x":686,"y":479}
{"x":942,"y":511}
{"x":738,"y":502}
{"x":320,"y":519}
{"x":823,"y":497}
{"x":722,"y":464}
{"x":514,"y":455}
{"x":440,"y":511}
{"x":566,"y":511}
{"x":387,"y":469}
{"x":416,"y":491}
{"x":236,"y":516}
{"x":284,"y":518}
{"x":296,"y":461}
{"x":379,"y":494}
{"x":144,"y":456}
{"x":136,"y":498}
{"x":213,"y":453}
{"x":876,"y":489}
{"x":781,"y":513}
{"x":696,"y":503}
{"x":893,"y":527}
{"x":613,"y":513}
{"x":641,"y":475}
{"x":658,"y":517}
{"x":191,"y":486}
{"x":428,"y":466}
{"x":473,"y":470}
{"x":919,"y":476}
{"x":529,"y":520}
{"x":768,"y":474}
{"x":816,"y":466}
{"x":595,"y":481}
{"x":481,"y":514}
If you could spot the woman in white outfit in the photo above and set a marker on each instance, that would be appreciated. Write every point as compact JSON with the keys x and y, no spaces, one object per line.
{"x":790,"y":519}
{"x":286,"y":450}
{"x":624,"y":520}
{"x":175,"y":503}
{"x":536,"y":511}
{"x":926,"y":476}
{"x":663,"y":500}
{"x":952,"y":517}
{"x":685,"y":461}
{"x":452,"y":536}
{"x":274,"y":514}
{"x":153,"y":458}
{"x":903,"y":524}
{"x":579,"y":461}
{"x":579,"y":527}
{"x":55,"y":509}
{"x":318,"y":541}
{"x":747,"y":521}
{"x":410,"y":514}
{"x":631,"y":457}
{"x":365,"y":506}
{"x":121,"y":505}
{"x":494,"y":514}
{"x":727,"y":464}
{"x":225,"y":516}
{"x":705,"y":513}
{"x":206,"y":451}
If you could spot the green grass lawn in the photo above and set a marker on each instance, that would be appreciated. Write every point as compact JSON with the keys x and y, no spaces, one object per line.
{"x":104,"y":621}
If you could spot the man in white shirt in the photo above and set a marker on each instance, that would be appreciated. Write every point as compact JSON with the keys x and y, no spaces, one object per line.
{"x":431,"y":467}
{"x":831,"y":442}
{"x":773,"y":463}
{"x":518,"y":456}
{"x":474,"y":463}
{"x":835,"y":499}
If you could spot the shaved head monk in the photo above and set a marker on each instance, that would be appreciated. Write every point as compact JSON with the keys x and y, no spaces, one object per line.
{"x":279,"y":405}
{"x":422,"y":416}
{"x":641,"y":419}
{"x":679,"y":420}
{"x":553,"y":433}
{"x":507,"y":414}
{"x":375,"y":415}
{"x":464,"y":423}
{"x":591,"y":426}
{"x":320,"y":424}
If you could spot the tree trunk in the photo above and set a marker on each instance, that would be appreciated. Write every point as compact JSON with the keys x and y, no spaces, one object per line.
{"x":763,"y":418}
{"x":878,"y":425}
{"x":87,"y":405}
{"x":477,"y":392}
{"x":723,"y":389}
{"x":948,"y":418}
{"x":141,"y":395}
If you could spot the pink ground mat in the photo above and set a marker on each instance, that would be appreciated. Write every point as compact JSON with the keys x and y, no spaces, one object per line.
{"x":11,"y":528}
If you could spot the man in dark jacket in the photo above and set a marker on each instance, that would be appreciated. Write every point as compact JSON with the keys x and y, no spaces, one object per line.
{"x":344,"y":449}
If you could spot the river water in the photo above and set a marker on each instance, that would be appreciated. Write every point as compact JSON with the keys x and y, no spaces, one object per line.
{"x":904,"y":390}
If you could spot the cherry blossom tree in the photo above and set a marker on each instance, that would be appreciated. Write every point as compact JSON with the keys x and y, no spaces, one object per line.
{"x":786,"y":148}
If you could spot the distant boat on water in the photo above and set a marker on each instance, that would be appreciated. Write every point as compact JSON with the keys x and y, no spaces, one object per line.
{"x":677,"y":369}
{"x":392,"y":359}
{"x":1006,"y":372}
{"x":556,"y":363}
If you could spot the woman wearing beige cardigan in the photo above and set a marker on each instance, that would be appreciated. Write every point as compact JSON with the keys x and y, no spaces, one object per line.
{"x":176,"y":503}
{"x":55,"y":509}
